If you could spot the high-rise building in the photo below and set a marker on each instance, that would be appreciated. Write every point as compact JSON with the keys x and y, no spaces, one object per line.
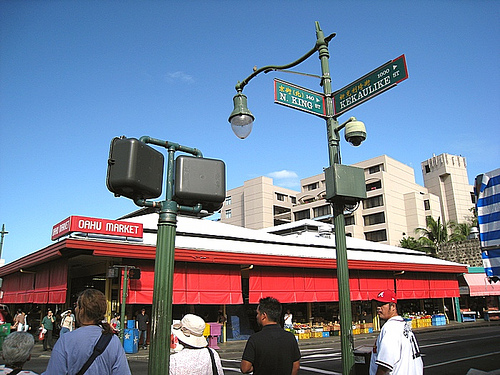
{"x":395,"y":206}
{"x":445,"y":175}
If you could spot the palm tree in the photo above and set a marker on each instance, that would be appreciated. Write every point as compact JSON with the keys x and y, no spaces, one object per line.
{"x":436,"y":233}
{"x":459,"y":231}
{"x":411,"y":243}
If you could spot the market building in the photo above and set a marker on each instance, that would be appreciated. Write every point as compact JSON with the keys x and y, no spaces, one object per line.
{"x":225,"y":267}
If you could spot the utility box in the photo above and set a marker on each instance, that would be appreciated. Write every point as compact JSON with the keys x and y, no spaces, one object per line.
{"x":200,"y":180}
{"x":362,"y":358}
{"x":345,"y":183}
{"x":135,"y":170}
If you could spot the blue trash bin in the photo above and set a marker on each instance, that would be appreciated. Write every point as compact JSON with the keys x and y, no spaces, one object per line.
{"x":131,"y":340}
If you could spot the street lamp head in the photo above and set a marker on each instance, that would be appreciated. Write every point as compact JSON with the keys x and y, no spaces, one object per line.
{"x":241,"y":118}
{"x":355,"y":132}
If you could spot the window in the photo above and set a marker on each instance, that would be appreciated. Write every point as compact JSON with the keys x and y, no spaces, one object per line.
{"x":294,"y":200}
{"x":374,"y":186}
{"x":277,"y":210}
{"x":377,"y":218}
{"x":228,"y":201}
{"x":322,"y":211}
{"x":427,"y":168}
{"x":473,"y":198}
{"x":375,"y":169}
{"x":376,"y":236}
{"x":375,"y":201}
{"x":304,"y":214}
{"x":312,"y":186}
{"x":349,"y":220}
{"x":308,"y":200}
{"x":280,"y":197}
{"x":228,"y":214}
{"x":427,"y":205}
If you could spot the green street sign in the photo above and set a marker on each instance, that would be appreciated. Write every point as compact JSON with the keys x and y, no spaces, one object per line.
{"x":370,"y":85}
{"x":297,"y":97}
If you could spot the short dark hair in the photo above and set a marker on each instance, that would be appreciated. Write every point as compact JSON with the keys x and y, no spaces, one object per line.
{"x":272,"y":307}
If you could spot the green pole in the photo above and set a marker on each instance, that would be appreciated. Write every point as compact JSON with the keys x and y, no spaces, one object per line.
{"x":347,"y":341}
{"x":3,"y":233}
{"x":124,"y":301}
{"x":159,"y":353}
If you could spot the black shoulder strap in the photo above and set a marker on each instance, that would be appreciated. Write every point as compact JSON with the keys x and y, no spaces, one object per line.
{"x":16,"y":371}
{"x":214,"y":366}
{"x":98,"y":349}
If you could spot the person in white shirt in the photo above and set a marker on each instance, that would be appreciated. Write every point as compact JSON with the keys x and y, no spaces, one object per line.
{"x":195,"y":357}
{"x":288,"y":320}
{"x":396,"y":351}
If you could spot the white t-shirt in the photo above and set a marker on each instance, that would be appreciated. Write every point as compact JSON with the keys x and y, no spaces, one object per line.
{"x":396,"y":349}
{"x":288,"y":319}
{"x":194,"y":361}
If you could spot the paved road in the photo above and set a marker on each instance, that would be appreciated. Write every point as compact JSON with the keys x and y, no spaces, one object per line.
{"x":451,"y":351}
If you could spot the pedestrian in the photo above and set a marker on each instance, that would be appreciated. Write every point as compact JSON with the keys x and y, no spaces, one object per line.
{"x":142,"y":324}
{"x":16,"y":351}
{"x":115,"y":323}
{"x":396,"y":350}
{"x":193,"y":358}
{"x":272,"y":350}
{"x":19,"y":321}
{"x":67,"y":322}
{"x":77,"y":350}
{"x":48,"y":325}
{"x":288,"y":320}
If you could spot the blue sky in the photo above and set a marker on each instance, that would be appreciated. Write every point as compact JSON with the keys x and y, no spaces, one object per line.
{"x":75,"y":74}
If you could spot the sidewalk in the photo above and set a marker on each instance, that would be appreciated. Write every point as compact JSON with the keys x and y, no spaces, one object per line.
{"x":237,"y":346}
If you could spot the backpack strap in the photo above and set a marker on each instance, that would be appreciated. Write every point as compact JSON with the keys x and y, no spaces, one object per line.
{"x":101,"y":345}
{"x":214,"y":366}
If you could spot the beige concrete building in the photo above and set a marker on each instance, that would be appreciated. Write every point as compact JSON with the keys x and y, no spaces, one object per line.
{"x":395,"y":206}
{"x":258,"y":204}
{"x":445,"y":175}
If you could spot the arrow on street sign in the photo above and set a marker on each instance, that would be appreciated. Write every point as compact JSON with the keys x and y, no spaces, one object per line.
{"x":300,"y":98}
{"x":370,"y":85}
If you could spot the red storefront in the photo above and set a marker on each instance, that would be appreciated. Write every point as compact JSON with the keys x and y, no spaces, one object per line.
{"x":218,"y":265}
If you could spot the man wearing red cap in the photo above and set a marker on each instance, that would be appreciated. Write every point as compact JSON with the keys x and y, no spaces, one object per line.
{"x":396,"y":350}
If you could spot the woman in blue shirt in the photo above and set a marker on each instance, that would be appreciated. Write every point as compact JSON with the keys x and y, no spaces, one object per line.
{"x":73,"y":349}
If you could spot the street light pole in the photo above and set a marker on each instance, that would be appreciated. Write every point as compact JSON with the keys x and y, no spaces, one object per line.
{"x":338,"y":190}
{"x":332,"y":125}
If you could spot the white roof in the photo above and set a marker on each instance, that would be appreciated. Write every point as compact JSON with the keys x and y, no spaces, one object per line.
{"x":207,"y":235}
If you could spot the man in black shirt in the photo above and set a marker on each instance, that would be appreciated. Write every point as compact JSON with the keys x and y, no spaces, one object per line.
{"x":271,"y":351}
{"x":142,"y":324}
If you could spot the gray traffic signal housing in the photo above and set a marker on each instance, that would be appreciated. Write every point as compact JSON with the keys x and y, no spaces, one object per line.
{"x":200,"y":180}
{"x":135,"y":170}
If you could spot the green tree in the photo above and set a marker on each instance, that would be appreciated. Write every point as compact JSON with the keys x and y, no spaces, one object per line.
{"x":459,"y":231}
{"x":411,"y":243}
{"x":431,"y":237}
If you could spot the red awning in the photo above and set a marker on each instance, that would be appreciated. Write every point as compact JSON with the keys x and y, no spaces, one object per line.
{"x":47,"y":284}
{"x":194,"y":283}
{"x":480,"y":286}
{"x":290,"y":285}
{"x":18,"y":288}
{"x":427,"y":286}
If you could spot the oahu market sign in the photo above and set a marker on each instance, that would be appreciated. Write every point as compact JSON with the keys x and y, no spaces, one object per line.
{"x":96,"y":226}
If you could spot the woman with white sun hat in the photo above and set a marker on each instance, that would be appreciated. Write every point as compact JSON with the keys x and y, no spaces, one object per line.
{"x":195,"y":357}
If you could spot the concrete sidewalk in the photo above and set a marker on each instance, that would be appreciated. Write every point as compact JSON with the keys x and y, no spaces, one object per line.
{"x":237,"y":346}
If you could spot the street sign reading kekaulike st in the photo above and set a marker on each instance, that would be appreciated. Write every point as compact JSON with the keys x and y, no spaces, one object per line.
{"x":370,"y":85}
{"x":300,"y":98}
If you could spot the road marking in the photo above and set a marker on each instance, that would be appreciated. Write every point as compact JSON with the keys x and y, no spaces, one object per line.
{"x":457,"y":341}
{"x":461,"y":359}
{"x":319,"y":371}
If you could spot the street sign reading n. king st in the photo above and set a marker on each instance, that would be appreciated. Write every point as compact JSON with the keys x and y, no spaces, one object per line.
{"x":291,"y":95}
{"x":370,"y":85}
